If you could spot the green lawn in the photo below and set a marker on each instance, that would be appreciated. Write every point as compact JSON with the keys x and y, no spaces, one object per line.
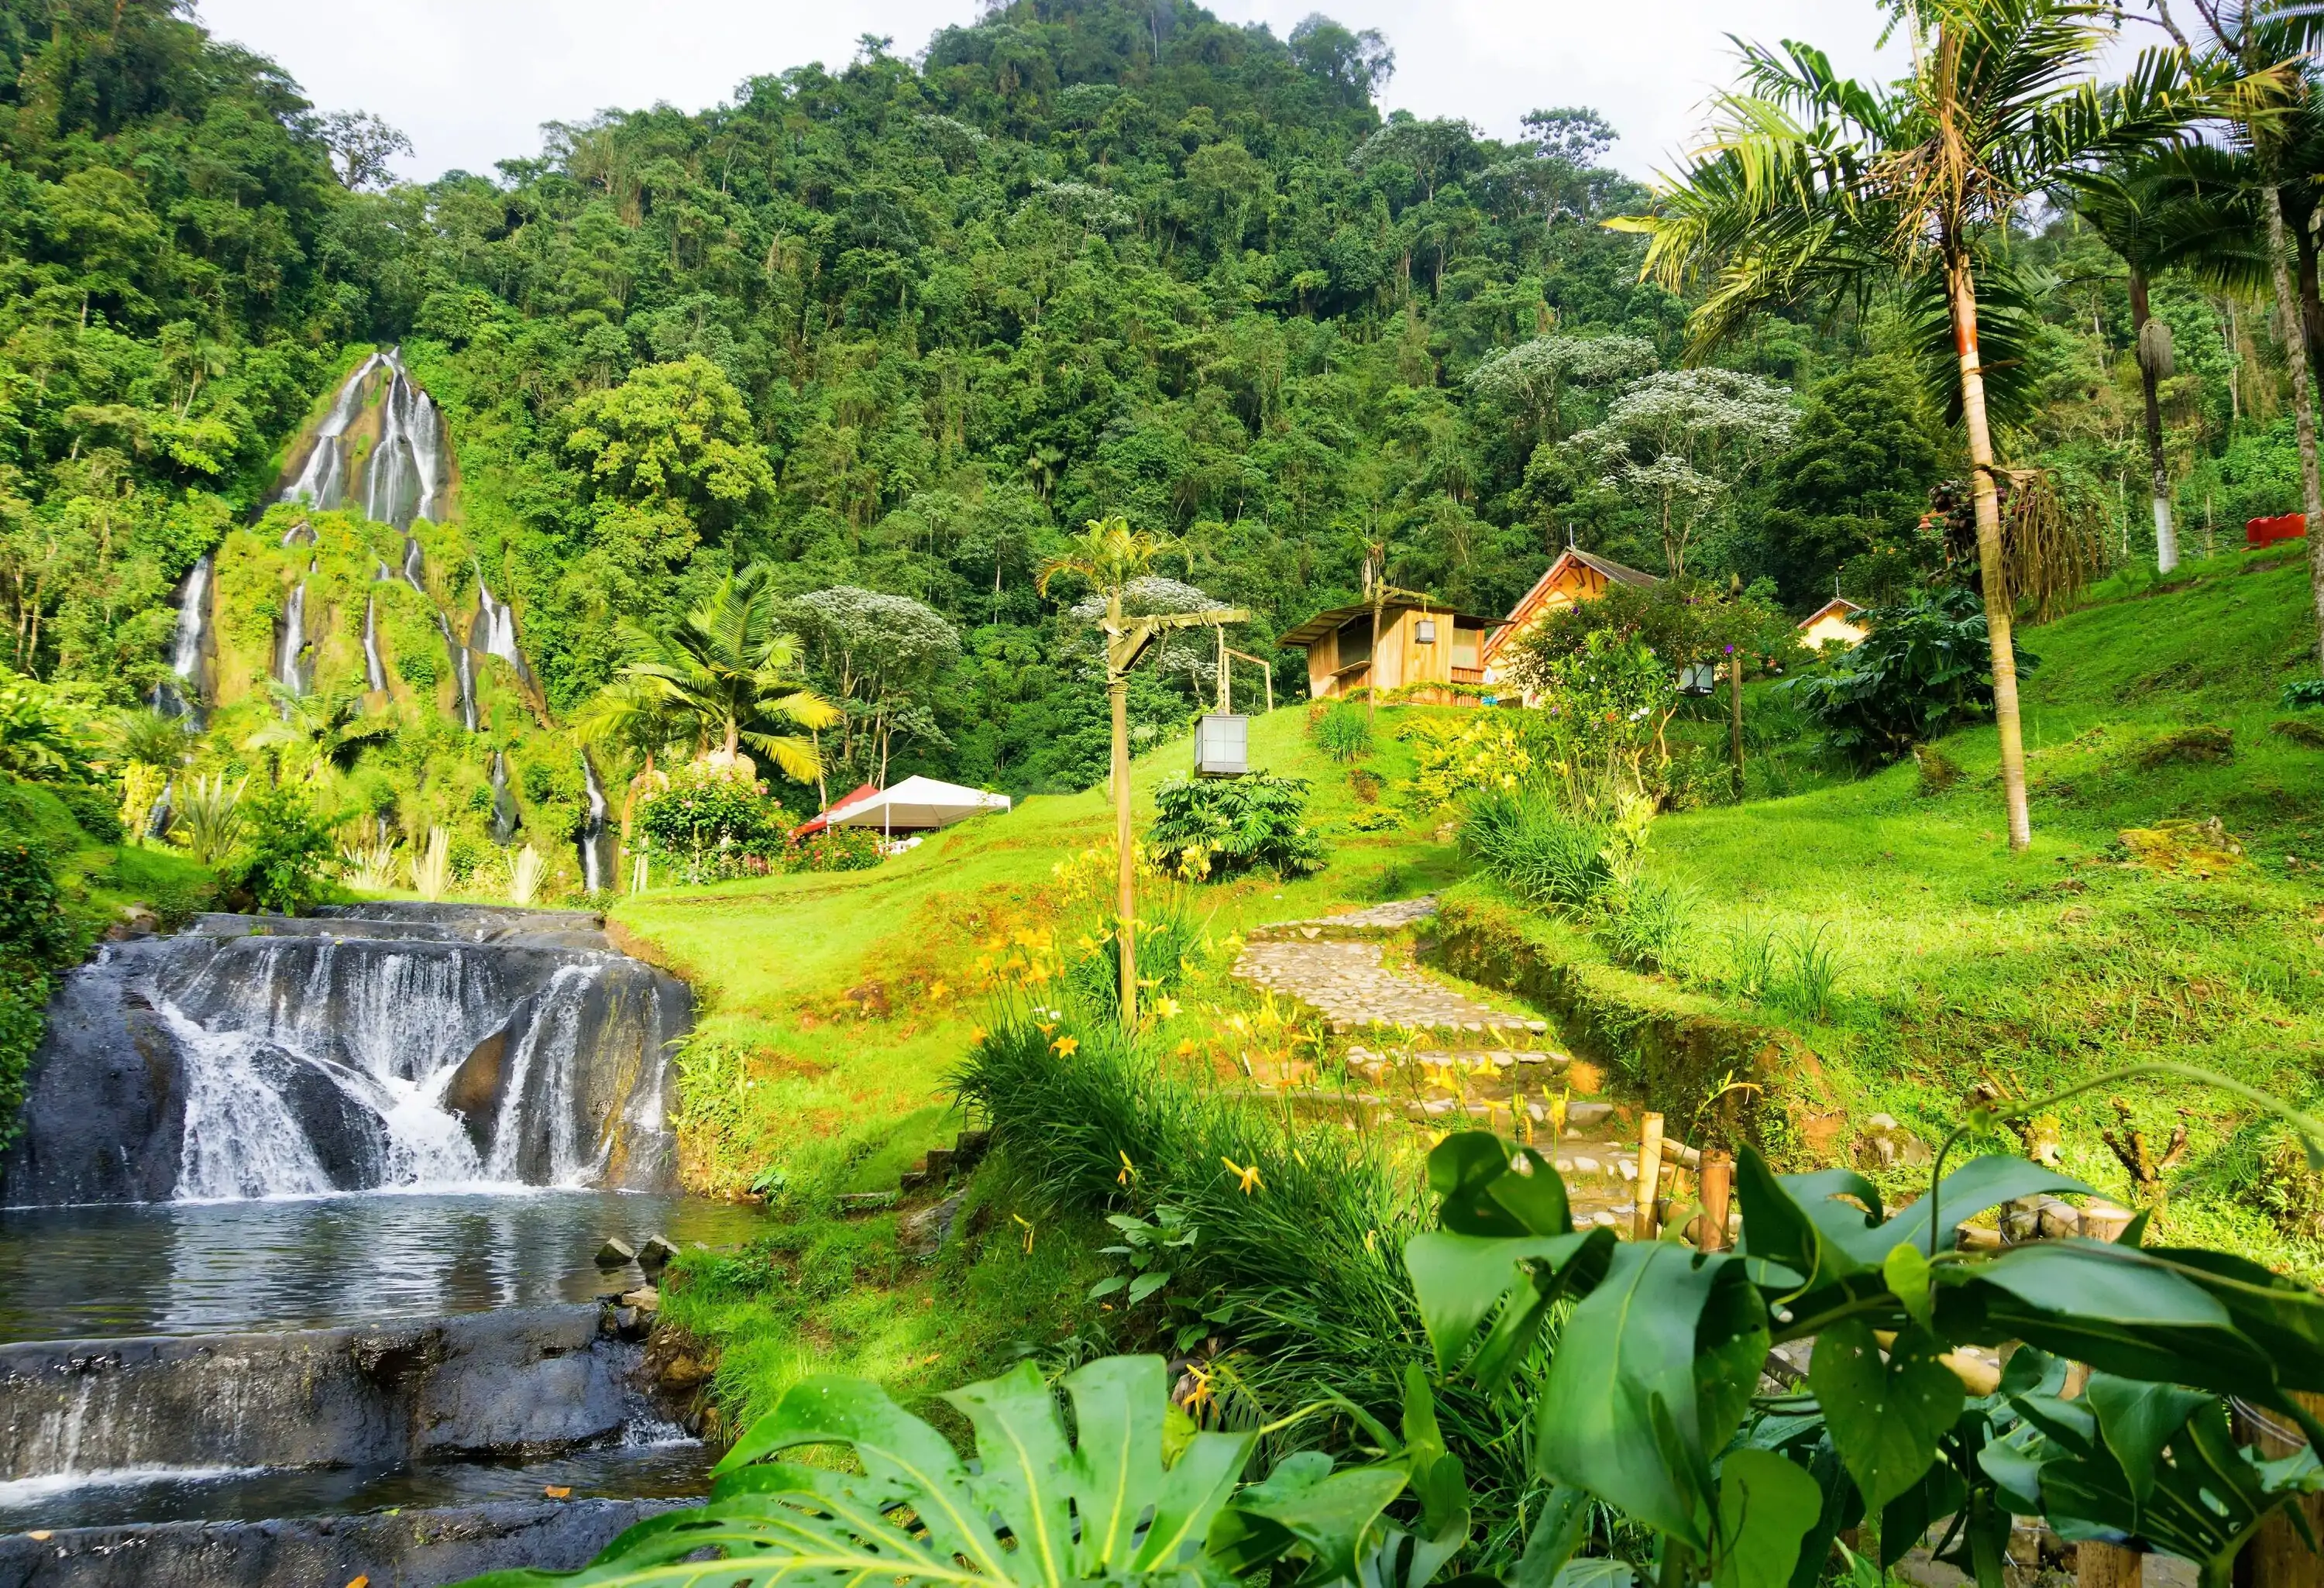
{"x":1959,"y":962}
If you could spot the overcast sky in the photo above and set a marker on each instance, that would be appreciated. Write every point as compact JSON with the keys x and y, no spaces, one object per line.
{"x":470,"y":81}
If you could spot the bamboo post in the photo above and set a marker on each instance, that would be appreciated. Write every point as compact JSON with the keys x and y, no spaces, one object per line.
{"x":1650,"y":1175}
{"x":1717,"y":1173}
{"x":2096,"y":1564}
{"x":2277,"y":1558}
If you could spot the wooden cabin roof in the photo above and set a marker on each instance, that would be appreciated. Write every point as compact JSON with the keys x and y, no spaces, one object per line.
{"x":1328,"y":622}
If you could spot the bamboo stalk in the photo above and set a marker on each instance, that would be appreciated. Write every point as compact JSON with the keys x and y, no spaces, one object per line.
{"x":1650,"y":1174}
{"x":1718,"y":1186}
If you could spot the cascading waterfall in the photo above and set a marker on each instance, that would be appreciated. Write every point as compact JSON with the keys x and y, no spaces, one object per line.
{"x":441,"y":1048}
{"x":596,"y":834}
{"x":323,"y":481}
{"x":496,"y":628}
{"x":374,"y":669}
{"x":287,"y":672}
{"x":181,"y":698}
{"x":504,"y":810}
{"x":403,"y":480}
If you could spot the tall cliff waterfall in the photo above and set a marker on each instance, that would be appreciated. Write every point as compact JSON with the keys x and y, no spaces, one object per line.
{"x":405,"y":477}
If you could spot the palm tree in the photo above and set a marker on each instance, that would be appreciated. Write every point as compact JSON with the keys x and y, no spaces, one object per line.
{"x":1812,"y":183}
{"x":2191,"y":208}
{"x":727,"y":664}
{"x":330,"y":728}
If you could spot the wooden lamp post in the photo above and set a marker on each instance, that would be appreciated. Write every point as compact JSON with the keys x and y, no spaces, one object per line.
{"x":1126,"y":639}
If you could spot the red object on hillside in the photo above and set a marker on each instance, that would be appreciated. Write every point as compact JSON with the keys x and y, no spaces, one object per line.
{"x":813,"y":825}
{"x":2267,"y":531}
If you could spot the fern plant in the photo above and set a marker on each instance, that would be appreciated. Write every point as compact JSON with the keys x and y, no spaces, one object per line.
{"x":207,"y":820}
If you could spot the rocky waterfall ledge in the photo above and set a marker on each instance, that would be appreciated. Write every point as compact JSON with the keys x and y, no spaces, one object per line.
{"x":375,"y":1046}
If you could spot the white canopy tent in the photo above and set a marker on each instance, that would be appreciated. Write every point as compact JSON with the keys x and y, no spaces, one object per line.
{"x":916,"y":804}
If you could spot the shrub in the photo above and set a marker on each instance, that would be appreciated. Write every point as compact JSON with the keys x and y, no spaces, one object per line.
{"x":207,"y":818}
{"x":1539,"y":852}
{"x":1221,"y":827}
{"x":712,"y":822}
{"x":2303,"y":692}
{"x":1341,"y":732}
{"x":837,"y":849}
{"x":287,"y":851}
{"x":33,"y":939}
{"x":1924,"y":668}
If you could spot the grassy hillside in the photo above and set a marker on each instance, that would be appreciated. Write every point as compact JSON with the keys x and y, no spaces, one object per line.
{"x":1955,"y":962}
{"x":836,"y":1006}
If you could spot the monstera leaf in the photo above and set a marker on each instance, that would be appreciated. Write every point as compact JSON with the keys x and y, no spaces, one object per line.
{"x":1038,"y":1511}
{"x":2157,"y":1460}
{"x":1506,"y":1252}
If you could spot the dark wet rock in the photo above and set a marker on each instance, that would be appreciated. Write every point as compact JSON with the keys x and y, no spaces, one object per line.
{"x":922,"y":1234}
{"x":532,"y":1379}
{"x":107,"y":1108}
{"x":615,"y":1253}
{"x":656,"y":1253}
{"x":411,"y":1548}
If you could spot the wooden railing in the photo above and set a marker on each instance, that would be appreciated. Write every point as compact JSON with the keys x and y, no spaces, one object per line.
{"x":1468,"y":674}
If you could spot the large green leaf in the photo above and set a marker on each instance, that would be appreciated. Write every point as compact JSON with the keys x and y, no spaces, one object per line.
{"x":2136,"y":1420}
{"x":1765,"y":1507}
{"x":1886,"y":1416}
{"x":1627,"y":1360}
{"x":1305,"y":1503}
{"x":1777,"y":1227}
{"x":1460,"y":1280}
{"x":1977,"y":1184}
{"x":910,"y":1511}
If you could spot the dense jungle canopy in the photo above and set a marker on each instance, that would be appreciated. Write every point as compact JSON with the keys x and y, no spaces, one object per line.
{"x":901,"y":326}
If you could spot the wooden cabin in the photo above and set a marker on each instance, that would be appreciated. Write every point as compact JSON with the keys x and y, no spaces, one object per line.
{"x":1420,"y":643}
{"x":1577,"y":576}
{"x":1833,"y":622}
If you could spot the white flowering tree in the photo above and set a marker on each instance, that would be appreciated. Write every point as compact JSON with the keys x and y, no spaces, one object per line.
{"x":1190,"y":652}
{"x":884,"y":656}
{"x":1677,"y":441}
{"x":1529,"y":380}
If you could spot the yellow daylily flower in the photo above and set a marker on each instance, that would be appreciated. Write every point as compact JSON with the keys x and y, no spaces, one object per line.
{"x":1248,"y":1177}
{"x":1067,"y":1047}
{"x":1129,"y":1169}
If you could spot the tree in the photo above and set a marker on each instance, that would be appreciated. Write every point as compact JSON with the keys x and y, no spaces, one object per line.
{"x":361,"y":145}
{"x":885,"y":653}
{"x":1852,"y":484}
{"x":677,"y":434}
{"x":1529,"y":378}
{"x":728,"y":663}
{"x":1810,"y":184}
{"x":2187,"y":208}
{"x":1677,"y":441}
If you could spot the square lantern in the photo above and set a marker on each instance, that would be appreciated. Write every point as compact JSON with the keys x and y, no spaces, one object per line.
{"x":1223,"y":745}
{"x":1424,"y":632}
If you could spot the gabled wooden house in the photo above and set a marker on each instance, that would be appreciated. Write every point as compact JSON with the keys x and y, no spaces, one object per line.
{"x":1577,"y":576}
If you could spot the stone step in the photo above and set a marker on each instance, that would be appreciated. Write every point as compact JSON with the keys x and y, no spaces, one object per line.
{"x":1381,"y":921}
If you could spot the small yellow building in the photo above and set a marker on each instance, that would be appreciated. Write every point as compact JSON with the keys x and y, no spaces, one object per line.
{"x":1834,"y":622}
{"x":1419,"y":643}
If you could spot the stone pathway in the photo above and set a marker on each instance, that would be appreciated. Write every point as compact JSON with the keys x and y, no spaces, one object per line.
{"x":1352,"y":988}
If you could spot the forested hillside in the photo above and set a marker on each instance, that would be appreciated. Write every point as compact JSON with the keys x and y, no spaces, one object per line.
{"x":901,"y":326}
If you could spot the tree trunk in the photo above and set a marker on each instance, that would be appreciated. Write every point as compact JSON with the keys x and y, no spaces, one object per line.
{"x":2166,"y":536}
{"x":1125,"y":861}
{"x":1963,"y":291}
{"x":1734,"y":727}
{"x":2303,"y":411}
